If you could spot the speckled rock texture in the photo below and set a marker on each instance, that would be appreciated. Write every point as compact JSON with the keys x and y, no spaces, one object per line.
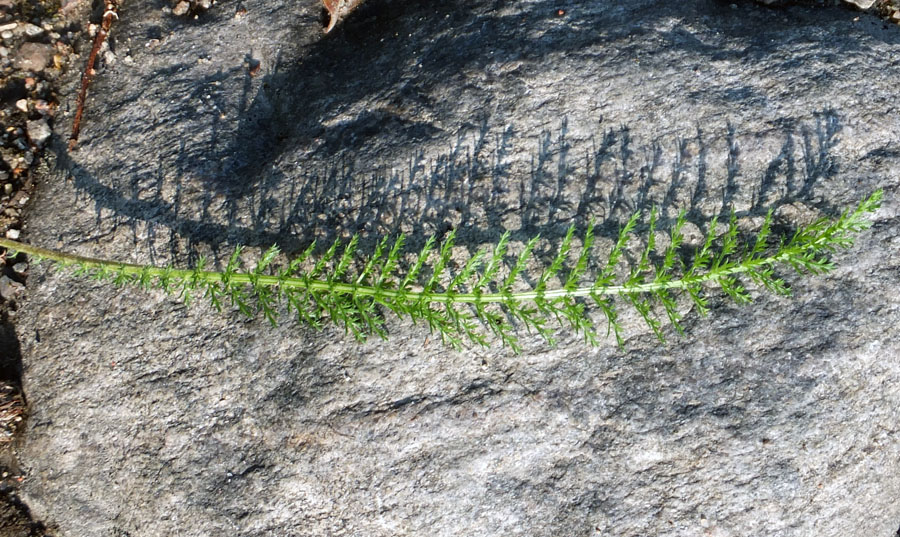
{"x":249,"y":125}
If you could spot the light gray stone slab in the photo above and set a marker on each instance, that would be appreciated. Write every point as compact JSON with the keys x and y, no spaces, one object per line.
{"x":153,"y":419}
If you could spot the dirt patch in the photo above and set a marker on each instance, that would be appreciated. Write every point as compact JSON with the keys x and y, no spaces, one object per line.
{"x":37,"y":43}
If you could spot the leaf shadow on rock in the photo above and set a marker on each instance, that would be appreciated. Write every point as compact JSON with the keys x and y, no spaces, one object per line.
{"x":307,"y":109}
{"x":473,"y":191}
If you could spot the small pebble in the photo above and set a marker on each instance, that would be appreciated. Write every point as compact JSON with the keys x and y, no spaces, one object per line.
{"x":10,"y":289}
{"x":38,"y":131}
{"x":7,"y":188}
{"x":6,"y":35}
{"x":34,"y":56}
{"x":181,"y":8}
{"x":32,"y":31}
{"x":20,"y":268}
{"x":22,"y":104}
{"x":8,"y":27}
{"x":12,"y":234}
{"x":43,"y":107}
{"x":4,"y":52}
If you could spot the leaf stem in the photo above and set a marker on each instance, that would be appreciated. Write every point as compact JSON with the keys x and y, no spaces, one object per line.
{"x":365,"y":290}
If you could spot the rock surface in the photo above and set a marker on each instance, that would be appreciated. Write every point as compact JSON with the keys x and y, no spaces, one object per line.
{"x":150,"y":418}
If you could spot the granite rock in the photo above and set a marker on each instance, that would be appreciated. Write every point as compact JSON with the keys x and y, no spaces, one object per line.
{"x":152,"y":418}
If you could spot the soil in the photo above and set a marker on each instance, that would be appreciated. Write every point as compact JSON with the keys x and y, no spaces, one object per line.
{"x":37,"y":41}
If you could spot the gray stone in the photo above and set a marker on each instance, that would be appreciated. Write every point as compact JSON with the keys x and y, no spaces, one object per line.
{"x":154,"y":419}
{"x":34,"y":56}
{"x":10,"y":289}
{"x":181,"y":8}
{"x":38,"y":131}
{"x":32,"y":30}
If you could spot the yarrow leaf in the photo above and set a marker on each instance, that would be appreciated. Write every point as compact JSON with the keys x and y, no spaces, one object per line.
{"x":468,"y":300}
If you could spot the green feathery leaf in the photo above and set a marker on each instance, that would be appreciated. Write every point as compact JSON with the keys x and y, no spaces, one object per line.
{"x":478,"y":300}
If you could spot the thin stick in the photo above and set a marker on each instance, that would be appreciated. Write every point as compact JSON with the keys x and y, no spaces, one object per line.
{"x":102,"y":32}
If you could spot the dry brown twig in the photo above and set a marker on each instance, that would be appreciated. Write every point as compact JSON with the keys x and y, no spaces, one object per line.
{"x":338,"y":9}
{"x":109,"y":15}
